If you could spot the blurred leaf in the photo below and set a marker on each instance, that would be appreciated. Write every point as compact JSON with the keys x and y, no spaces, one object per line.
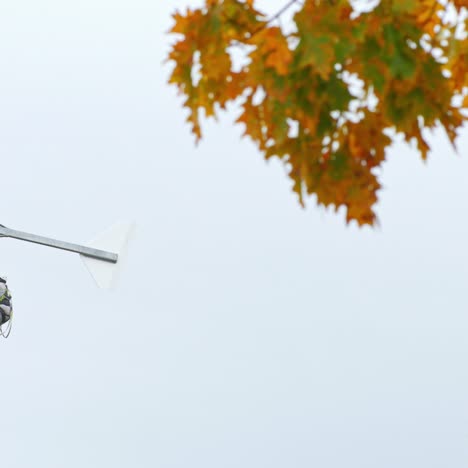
{"x":323,"y":97}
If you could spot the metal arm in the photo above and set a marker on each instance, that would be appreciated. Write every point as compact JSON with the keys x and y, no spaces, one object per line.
{"x":56,"y":244}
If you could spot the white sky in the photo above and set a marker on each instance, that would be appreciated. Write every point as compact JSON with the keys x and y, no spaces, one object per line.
{"x":246,"y":331}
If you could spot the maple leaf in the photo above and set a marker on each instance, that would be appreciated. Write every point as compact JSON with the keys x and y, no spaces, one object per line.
{"x":324,"y":97}
{"x":273,"y":49}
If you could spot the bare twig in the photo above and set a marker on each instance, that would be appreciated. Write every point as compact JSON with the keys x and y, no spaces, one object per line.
{"x":283,"y":10}
{"x":274,"y":17}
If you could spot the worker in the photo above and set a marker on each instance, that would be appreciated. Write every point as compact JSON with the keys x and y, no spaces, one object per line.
{"x":5,"y":302}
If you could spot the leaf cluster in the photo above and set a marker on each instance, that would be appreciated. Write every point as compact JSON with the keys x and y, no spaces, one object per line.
{"x":328,"y":95}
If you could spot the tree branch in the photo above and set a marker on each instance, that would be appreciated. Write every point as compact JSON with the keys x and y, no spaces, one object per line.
{"x":274,"y":17}
{"x":283,"y":10}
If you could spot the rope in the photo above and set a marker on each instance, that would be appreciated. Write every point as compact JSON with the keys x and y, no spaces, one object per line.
{"x":5,"y":332}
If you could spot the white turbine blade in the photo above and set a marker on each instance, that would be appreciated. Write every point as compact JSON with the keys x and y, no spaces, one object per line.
{"x":113,"y":240}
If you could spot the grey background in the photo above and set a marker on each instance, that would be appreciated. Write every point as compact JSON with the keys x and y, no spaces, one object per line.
{"x":245,"y":331}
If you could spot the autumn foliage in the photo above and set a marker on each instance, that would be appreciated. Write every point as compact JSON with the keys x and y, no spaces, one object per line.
{"x":328,"y":93}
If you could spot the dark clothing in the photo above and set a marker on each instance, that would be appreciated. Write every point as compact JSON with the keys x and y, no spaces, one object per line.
{"x":5,"y":302}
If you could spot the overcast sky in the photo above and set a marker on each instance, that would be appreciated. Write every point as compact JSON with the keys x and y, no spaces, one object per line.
{"x":245,"y":332}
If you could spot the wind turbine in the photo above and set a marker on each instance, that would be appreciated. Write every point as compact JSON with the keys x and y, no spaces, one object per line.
{"x":101,"y":256}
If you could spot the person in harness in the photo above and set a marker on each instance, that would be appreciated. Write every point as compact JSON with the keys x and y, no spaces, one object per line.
{"x":5,"y":302}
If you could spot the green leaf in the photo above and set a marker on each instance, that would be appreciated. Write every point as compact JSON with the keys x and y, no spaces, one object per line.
{"x":338,"y":165}
{"x":398,"y":56}
{"x":405,"y":6}
{"x":338,"y":93}
{"x":376,"y":77}
{"x":343,"y":50}
{"x":317,"y":51}
{"x":325,"y":123}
